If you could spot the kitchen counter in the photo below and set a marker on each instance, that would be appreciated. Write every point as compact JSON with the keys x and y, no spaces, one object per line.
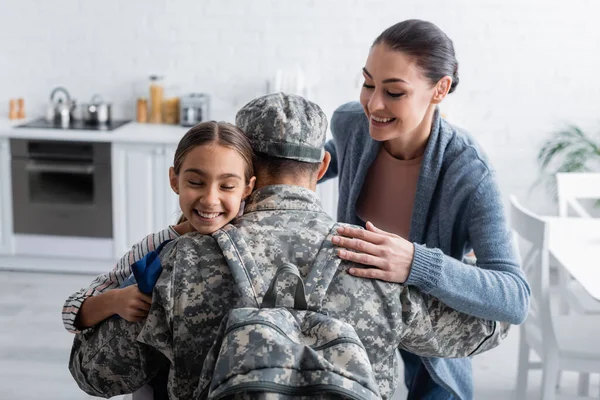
{"x":132,"y":132}
{"x":139,"y":201}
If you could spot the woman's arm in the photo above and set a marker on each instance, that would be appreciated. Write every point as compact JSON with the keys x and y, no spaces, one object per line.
{"x":104,"y":283}
{"x":497,"y":290}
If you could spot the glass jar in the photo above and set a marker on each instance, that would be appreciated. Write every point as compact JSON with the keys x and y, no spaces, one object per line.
{"x":156,"y":99}
{"x":171,"y":110}
{"x":171,"y":103}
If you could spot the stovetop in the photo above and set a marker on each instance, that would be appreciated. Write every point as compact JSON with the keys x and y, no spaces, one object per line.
{"x":42,"y":123}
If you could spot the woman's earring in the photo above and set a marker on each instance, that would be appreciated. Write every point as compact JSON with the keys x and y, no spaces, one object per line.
{"x":242,"y":205}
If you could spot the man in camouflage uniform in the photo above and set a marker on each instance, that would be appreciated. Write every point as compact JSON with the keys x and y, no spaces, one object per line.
{"x":283,"y":222}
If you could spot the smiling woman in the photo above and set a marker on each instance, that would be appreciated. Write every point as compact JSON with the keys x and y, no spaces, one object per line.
{"x":406,"y":76}
{"x":430,"y":191}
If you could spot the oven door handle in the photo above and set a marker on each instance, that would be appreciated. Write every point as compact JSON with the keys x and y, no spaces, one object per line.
{"x":37,"y":166}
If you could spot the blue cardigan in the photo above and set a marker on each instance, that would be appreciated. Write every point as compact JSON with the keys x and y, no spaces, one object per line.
{"x":457,"y":208}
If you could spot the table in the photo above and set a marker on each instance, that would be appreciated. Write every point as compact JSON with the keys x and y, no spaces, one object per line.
{"x":575,"y":244}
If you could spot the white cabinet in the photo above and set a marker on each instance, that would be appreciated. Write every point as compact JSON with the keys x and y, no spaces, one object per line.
{"x":6,"y":221}
{"x":143,"y":201}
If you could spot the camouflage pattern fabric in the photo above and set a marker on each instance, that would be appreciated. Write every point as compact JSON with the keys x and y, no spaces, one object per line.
{"x":285,"y":126}
{"x":95,"y":351}
{"x":260,"y":359}
{"x":196,"y":290}
{"x":266,"y":348}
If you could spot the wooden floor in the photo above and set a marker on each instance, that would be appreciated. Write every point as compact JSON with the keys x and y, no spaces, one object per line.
{"x":34,"y":347}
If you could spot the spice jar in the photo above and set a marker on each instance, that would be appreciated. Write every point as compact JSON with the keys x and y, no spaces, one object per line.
{"x":156,"y":99}
{"x":20,"y":108}
{"x":142,"y":110}
{"x":12,"y":111}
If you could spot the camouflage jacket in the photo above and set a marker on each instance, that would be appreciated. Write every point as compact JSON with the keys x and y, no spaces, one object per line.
{"x":196,"y":290}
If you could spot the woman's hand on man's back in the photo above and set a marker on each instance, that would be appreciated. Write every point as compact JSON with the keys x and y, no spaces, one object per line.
{"x":389,"y":254}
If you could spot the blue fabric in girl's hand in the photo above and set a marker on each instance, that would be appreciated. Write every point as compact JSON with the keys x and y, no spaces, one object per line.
{"x":146,"y":271}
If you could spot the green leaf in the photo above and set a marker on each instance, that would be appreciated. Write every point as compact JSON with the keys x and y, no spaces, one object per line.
{"x":566,"y":150}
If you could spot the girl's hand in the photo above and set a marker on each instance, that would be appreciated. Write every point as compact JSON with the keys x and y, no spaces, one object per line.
{"x":131,"y":304}
{"x":390,"y":254}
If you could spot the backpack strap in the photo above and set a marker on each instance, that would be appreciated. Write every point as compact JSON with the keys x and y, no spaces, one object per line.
{"x":322,"y":271}
{"x":270,"y":298}
{"x":250,"y":282}
{"x":241,"y":264}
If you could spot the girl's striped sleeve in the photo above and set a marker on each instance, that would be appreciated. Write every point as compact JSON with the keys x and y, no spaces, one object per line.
{"x":114,"y":278}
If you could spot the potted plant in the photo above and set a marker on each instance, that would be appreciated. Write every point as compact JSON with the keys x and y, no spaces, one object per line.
{"x":567,"y":150}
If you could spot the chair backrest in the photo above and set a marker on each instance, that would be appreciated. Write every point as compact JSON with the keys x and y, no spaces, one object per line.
{"x":531,"y":231}
{"x":572,"y":186}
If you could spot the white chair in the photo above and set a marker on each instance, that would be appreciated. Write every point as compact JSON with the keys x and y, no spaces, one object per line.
{"x":572,"y":187}
{"x":567,"y":343}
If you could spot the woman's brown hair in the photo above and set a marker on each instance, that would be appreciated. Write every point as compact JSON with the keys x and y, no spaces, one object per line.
{"x":212,"y":132}
{"x":428,"y":44}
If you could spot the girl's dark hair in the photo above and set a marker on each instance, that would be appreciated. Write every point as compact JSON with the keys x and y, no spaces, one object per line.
{"x":432,"y":50}
{"x":212,"y":132}
{"x":221,"y":133}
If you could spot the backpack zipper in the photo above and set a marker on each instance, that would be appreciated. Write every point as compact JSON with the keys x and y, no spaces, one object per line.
{"x":278,"y":329}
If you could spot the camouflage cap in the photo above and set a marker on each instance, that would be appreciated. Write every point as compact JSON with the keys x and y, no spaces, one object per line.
{"x":285,"y":126}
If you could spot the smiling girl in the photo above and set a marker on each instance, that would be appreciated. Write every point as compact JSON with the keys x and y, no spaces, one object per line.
{"x":212,"y":173}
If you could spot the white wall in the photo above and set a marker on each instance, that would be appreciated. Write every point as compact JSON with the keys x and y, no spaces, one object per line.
{"x":526,"y":66}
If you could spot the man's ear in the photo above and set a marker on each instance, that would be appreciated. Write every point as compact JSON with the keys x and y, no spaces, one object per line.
{"x":324,"y":165}
{"x":174,"y":180}
{"x":249,"y":187}
{"x":442,"y":87}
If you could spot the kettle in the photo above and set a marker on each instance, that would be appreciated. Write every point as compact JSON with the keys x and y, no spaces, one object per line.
{"x":60,"y":108}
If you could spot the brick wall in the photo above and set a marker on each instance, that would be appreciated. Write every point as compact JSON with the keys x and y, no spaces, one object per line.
{"x":526,"y":67}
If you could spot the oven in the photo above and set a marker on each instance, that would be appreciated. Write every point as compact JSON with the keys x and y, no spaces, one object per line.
{"x":62,"y":188}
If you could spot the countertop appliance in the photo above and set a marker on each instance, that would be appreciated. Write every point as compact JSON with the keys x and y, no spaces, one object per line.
{"x":97,"y":111}
{"x":61,"y":109}
{"x":73,"y":124}
{"x":193,"y":109}
{"x":61,"y":188}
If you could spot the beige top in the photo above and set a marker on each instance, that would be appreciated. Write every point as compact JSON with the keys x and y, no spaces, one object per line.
{"x":388,"y":194}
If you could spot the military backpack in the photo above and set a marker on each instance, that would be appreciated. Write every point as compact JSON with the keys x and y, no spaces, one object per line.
{"x":264,"y":350}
